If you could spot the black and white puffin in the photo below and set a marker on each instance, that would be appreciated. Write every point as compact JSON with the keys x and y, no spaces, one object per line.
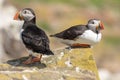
{"x":34,"y":38}
{"x":83,"y":36}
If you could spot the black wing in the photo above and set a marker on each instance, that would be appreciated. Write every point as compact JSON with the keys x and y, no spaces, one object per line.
{"x":71,"y":33}
{"x":36,"y":40}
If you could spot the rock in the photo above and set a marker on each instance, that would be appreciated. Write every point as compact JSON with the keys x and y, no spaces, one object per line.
{"x":74,"y":64}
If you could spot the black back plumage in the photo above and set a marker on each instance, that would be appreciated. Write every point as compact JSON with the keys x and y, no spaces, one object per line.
{"x":71,"y":33}
{"x":35,"y":39}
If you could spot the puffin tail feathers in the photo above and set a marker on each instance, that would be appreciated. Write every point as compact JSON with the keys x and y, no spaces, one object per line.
{"x":49,"y":52}
{"x":52,"y":35}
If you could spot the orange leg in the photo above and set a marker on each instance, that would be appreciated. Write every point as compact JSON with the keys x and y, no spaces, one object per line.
{"x":28,"y":61}
{"x":77,"y":45}
{"x":37,"y":59}
{"x":32,"y":59}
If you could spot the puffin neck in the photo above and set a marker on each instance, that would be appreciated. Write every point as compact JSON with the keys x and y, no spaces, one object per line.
{"x":96,"y":31}
{"x":87,"y":27}
{"x":33,"y":21}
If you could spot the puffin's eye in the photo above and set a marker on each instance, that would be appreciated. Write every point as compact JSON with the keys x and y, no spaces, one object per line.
{"x":25,"y":12}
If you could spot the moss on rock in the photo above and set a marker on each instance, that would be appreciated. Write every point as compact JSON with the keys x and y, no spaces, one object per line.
{"x":74,"y":64}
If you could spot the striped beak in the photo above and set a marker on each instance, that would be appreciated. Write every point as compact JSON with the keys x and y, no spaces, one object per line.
{"x":101,"y":26}
{"x":18,"y":16}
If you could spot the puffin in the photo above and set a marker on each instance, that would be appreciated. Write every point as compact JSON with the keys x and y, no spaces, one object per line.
{"x":34,"y":38}
{"x":81,"y":36}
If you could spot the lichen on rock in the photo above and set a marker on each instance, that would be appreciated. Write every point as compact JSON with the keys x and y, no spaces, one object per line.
{"x":74,"y":64}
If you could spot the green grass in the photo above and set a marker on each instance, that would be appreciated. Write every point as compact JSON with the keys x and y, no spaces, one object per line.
{"x":97,"y":3}
{"x":48,"y":1}
{"x":22,"y":1}
{"x":115,"y":41}
{"x":44,"y":25}
{"x":78,"y":3}
{"x":68,"y":2}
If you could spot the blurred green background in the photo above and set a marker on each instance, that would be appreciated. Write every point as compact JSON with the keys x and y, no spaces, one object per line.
{"x":57,"y":15}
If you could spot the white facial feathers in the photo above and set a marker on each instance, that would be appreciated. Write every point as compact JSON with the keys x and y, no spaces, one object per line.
{"x":94,"y":23}
{"x":27,"y":14}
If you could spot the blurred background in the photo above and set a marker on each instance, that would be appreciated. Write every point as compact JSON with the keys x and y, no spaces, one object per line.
{"x":56,"y":15}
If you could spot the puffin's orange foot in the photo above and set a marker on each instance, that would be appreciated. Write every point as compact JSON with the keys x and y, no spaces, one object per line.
{"x":32,"y":59}
{"x":36,"y":59}
{"x":80,"y":46}
{"x":28,"y":61}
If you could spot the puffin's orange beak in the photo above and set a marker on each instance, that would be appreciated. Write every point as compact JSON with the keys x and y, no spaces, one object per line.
{"x":16,"y":17}
{"x":101,"y":26}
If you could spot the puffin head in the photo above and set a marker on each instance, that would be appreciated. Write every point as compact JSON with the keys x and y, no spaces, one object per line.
{"x":95,"y":25}
{"x":26,"y":14}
